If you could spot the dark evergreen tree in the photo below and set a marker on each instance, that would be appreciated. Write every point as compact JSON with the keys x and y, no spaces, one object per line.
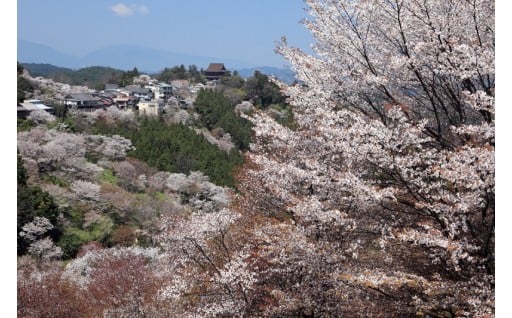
{"x":216,"y":111}
{"x":32,"y":201}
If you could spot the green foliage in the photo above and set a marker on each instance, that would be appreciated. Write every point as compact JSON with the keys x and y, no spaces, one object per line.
{"x":43,"y":69}
{"x":233,"y":81}
{"x":76,"y":124}
{"x":216,"y":111}
{"x":108,"y":177}
{"x":75,"y":215}
{"x":179,"y":72}
{"x":161,"y":196}
{"x":20,"y":68}
{"x":24,"y":86}
{"x":284,"y":115}
{"x":32,"y":201}
{"x":55,"y":180}
{"x":93,"y":77}
{"x":234,"y":95}
{"x":169,"y":74}
{"x":262,"y":91}
{"x":70,"y":244}
{"x":125,"y":78}
{"x":24,"y":124}
{"x":21,"y":172}
{"x":177,"y":148}
{"x":195,"y":75}
{"x":74,"y":237}
{"x":60,"y":110}
{"x":99,"y":86}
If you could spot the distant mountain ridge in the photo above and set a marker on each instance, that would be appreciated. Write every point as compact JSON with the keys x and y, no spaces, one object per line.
{"x":44,"y":69}
{"x":29,"y":52}
{"x":124,"y":57}
{"x":101,"y":73}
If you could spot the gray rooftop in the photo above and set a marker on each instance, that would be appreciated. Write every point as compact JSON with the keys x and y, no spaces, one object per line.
{"x":81,"y":96}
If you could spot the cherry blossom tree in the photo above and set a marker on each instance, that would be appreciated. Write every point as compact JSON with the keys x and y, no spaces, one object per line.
{"x":111,"y":115}
{"x":57,"y":150}
{"x":213,"y":275}
{"x":41,"y":247}
{"x":86,"y":190}
{"x":44,"y":249}
{"x":123,"y":284}
{"x":35,"y":229}
{"x":40,"y":116}
{"x":391,"y":167}
{"x":49,"y":296}
{"x":113,"y":148}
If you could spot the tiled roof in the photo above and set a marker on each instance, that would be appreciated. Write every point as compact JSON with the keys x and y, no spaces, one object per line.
{"x":30,"y":106}
{"x":216,"y":67}
{"x":139,"y":90}
{"x":80,"y":96}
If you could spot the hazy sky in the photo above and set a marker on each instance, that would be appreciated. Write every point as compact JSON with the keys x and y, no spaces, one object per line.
{"x":245,"y":30}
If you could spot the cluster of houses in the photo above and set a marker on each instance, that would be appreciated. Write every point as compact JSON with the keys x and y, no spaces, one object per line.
{"x":146,"y":95}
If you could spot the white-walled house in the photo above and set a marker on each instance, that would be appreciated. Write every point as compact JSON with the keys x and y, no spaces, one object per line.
{"x":166,"y":89}
{"x":161,"y":91}
{"x":150,"y":108}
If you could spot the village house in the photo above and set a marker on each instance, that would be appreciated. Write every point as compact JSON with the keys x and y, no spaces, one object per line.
{"x":124,"y":99}
{"x":106,"y":100}
{"x":82,"y":101}
{"x":139,"y":92}
{"x":25,"y":108}
{"x":161,"y":91}
{"x":150,"y":108}
{"x":111,"y":87}
{"x":178,"y":84}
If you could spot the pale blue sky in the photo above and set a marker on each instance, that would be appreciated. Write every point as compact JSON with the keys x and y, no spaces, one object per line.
{"x":236,"y":29}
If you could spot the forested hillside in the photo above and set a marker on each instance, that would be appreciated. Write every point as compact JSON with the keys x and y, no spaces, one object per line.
{"x":44,"y":70}
{"x":176,"y":148}
{"x":71,"y":168}
{"x":88,"y":176}
{"x":94,"y":77}
{"x":367,"y":190}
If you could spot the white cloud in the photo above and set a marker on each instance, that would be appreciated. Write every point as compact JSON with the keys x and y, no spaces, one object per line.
{"x":124,"y":10}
